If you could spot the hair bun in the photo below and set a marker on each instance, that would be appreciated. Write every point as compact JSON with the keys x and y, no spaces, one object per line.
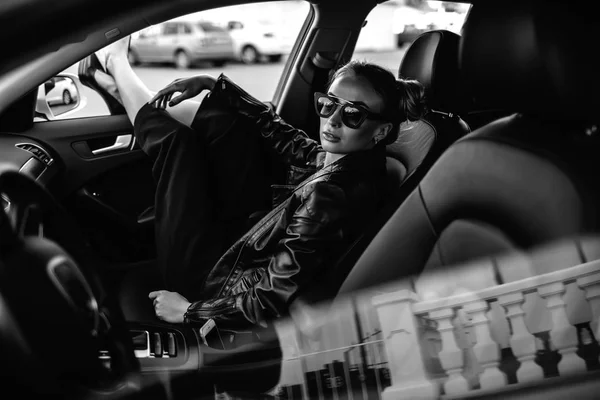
{"x":413,"y":102}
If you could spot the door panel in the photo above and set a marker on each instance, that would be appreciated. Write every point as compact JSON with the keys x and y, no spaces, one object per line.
{"x":68,"y":139}
{"x":105,"y":180}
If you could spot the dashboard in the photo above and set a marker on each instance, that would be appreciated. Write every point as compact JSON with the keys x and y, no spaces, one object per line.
{"x":28,"y":157}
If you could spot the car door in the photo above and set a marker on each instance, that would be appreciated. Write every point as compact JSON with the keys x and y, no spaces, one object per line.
{"x":187,"y":37}
{"x":104,"y":180}
{"x":168,"y":41}
{"x":93,"y":167}
{"x":145,"y":45}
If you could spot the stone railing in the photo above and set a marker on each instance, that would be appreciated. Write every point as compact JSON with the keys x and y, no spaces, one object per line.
{"x":401,"y":315}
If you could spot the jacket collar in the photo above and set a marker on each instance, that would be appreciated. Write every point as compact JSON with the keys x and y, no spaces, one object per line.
{"x":371,"y":159}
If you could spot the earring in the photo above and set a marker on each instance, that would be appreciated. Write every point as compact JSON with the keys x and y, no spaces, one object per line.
{"x":375,"y":140}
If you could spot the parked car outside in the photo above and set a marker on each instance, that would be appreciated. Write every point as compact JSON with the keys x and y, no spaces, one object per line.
{"x":183,"y":43}
{"x":60,"y":90}
{"x":256,"y":41}
{"x":409,"y":21}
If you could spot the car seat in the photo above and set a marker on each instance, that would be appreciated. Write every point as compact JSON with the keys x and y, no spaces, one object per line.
{"x":432,"y":59}
{"x":520,"y":181}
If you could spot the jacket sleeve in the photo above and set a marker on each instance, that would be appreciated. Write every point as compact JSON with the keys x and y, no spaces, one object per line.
{"x":314,"y":229}
{"x":293,"y":145}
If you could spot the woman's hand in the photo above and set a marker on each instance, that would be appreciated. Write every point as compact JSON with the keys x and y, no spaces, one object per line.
{"x":169,"y":306}
{"x":188,"y":87}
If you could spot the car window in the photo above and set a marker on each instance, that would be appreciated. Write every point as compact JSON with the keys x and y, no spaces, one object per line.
{"x":150,"y":32}
{"x":208,"y":27}
{"x":170,"y":29}
{"x":400,"y":23}
{"x":253,"y":59}
{"x":231,"y":25}
{"x":186,"y":28}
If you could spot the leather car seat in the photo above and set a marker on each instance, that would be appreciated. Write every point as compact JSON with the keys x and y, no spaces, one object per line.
{"x":432,"y":59}
{"x":521,"y":181}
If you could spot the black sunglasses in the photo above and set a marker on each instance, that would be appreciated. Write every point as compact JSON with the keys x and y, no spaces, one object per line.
{"x":353,"y":115}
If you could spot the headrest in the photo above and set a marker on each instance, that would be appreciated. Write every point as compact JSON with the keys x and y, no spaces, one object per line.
{"x":413,"y":144}
{"x":534,"y":57}
{"x":432,"y":59}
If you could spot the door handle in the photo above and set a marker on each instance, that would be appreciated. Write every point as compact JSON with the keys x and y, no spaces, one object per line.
{"x":121,"y":142}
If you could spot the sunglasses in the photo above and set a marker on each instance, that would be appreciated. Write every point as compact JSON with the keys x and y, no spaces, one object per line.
{"x":353,"y":115}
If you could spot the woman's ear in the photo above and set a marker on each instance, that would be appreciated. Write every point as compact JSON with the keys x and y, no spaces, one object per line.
{"x":383,"y":131}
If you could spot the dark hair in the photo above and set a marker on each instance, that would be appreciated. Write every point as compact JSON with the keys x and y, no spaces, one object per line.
{"x":412,"y":98}
{"x":402,"y":99}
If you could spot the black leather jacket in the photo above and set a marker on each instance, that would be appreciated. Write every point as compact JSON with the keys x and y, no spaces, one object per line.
{"x":324,"y":210}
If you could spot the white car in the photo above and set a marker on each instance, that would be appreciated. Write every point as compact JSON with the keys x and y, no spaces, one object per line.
{"x":409,"y":22}
{"x":61,"y":91}
{"x":183,"y":43}
{"x":256,"y":41}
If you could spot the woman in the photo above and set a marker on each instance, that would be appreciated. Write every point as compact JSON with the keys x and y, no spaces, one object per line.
{"x":209,"y":162}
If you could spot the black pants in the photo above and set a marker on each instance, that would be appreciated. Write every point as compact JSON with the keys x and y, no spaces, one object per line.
{"x":209,"y":179}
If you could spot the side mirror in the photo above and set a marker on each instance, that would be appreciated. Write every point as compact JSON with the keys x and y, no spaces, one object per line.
{"x":59,"y":97}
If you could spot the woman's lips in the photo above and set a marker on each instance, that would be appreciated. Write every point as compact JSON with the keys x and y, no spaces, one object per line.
{"x":330,"y":137}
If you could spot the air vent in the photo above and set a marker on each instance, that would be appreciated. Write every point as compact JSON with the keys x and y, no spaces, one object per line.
{"x":37,"y":152}
{"x":4,"y":202}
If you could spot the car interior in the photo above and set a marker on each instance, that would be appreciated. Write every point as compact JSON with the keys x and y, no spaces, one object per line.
{"x":501,"y":168}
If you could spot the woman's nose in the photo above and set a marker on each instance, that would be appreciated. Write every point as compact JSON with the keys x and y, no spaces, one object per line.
{"x":336,"y":118}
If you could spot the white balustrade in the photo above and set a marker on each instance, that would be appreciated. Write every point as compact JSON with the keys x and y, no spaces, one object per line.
{"x":522,"y":342}
{"x":404,"y":350}
{"x":486,"y":350}
{"x":466,"y":339}
{"x":591,"y":285}
{"x":451,"y":356}
{"x":563,"y":335}
{"x":399,"y":314}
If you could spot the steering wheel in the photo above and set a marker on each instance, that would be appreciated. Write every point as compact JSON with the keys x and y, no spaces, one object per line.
{"x":63,"y":334}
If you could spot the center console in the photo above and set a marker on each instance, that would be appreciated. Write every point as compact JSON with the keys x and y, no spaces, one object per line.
{"x":165,"y":347}
{"x":167,"y":350}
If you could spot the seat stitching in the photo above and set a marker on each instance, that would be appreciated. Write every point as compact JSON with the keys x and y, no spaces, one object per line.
{"x":430,"y":221}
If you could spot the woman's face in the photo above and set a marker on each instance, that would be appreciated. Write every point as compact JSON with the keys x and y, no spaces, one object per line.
{"x":338,"y":138}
